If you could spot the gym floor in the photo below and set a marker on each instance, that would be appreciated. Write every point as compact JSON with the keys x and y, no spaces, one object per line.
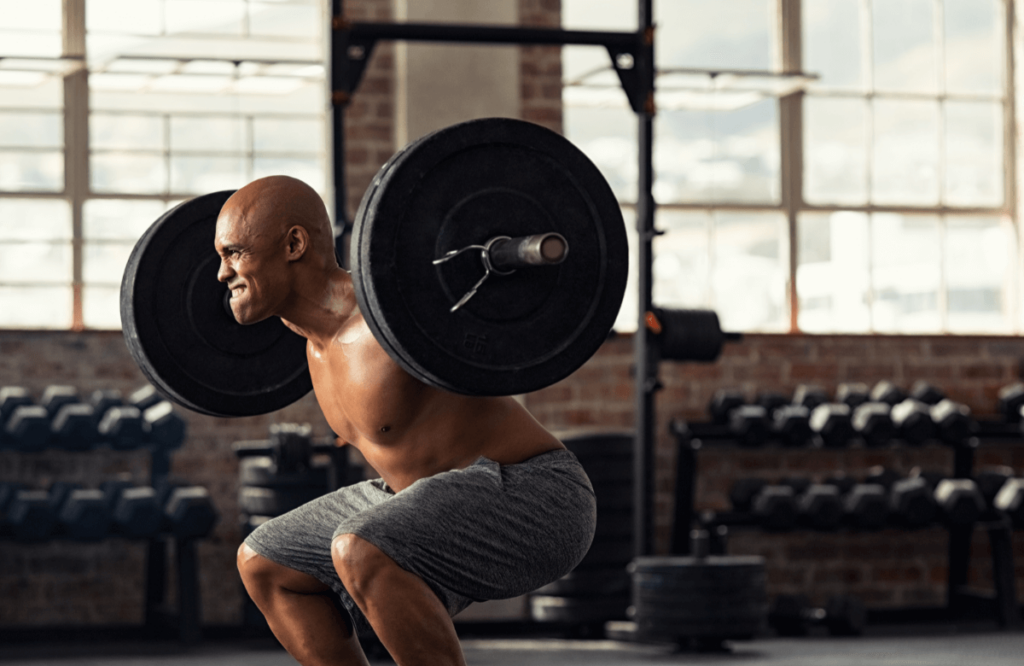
{"x":931,"y":646}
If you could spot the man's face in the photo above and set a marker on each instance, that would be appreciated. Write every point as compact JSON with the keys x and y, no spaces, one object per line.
{"x":251,"y":267}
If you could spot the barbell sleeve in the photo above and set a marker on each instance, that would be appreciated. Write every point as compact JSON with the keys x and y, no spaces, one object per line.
{"x":536,"y":250}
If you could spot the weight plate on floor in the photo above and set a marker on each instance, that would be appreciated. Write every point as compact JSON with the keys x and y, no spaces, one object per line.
{"x":180,"y":330}
{"x":544,"y":608}
{"x":465,"y":185}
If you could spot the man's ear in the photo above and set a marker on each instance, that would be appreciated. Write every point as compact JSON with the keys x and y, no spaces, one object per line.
{"x":298,"y":242}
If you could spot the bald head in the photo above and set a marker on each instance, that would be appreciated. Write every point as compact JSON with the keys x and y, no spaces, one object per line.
{"x":266,"y":209}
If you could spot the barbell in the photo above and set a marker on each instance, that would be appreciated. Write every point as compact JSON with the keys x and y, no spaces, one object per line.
{"x":488,"y":258}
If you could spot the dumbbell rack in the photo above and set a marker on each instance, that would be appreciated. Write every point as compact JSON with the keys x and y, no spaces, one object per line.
{"x":960,"y":601}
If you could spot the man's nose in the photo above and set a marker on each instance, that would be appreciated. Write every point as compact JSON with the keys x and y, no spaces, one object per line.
{"x":224,"y":273}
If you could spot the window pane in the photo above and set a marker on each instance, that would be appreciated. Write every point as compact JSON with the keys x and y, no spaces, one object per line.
{"x":119,"y":219}
{"x":131,"y":174}
{"x":835,"y":150}
{"x":35,"y":307}
{"x":832,"y":42}
{"x":104,"y":262}
{"x":682,"y":258}
{"x":31,"y":171}
{"x":124,"y":131}
{"x":727,"y":35}
{"x":208,"y":134}
{"x":598,"y":15}
{"x":309,"y":171}
{"x":906,"y":260}
{"x":134,"y":17}
{"x":979,"y":261}
{"x":974,"y":153}
{"x":975,"y":46}
{"x":906,"y":152}
{"x":290,"y":135}
{"x":904,"y":45}
{"x":101,"y":307}
{"x":35,"y":219}
{"x":35,"y":15}
{"x":608,"y":137}
{"x":223,"y":17}
{"x":749,"y":271}
{"x":832,"y":276}
{"x":208,"y":174}
{"x":718,"y":155}
{"x":49,"y":94}
{"x":35,"y":130}
{"x":280,"y":20}
{"x":38,"y":263}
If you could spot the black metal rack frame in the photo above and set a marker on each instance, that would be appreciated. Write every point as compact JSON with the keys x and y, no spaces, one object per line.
{"x":352,"y":44}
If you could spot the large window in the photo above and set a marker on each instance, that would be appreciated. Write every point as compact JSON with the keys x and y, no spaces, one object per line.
{"x":902,"y":216}
{"x":112,"y":111}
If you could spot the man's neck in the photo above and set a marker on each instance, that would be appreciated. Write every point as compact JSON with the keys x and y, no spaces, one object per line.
{"x":323,"y":304}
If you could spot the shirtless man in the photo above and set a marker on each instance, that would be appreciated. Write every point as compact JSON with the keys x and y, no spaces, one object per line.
{"x":475,"y":501}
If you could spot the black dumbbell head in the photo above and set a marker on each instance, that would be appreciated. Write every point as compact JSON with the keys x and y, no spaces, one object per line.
{"x":792,"y":425}
{"x":743,"y":492}
{"x":959,"y":501}
{"x":1010,"y":501}
{"x":189,"y":512}
{"x":1011,"y":399}
{"x":123,"y":427}
{"x":137,"y":512}
{"x":775,"y":508}
{"x":831,"y":422}
{"x":820,"y":507}
{"x":102,"y":400}
{"x":852,"y":394}
{"x":84,"y":515}
{"x":145,"y":397}
{"x":12,"y":397}
{"x":771,"y":400}
{"x":866,"y":507}
{"x":749,"y":424}
{"x":74,"y":427}
{"x":872,"y":422}
{"x":841,"y":481}
{"x":911,"y":503}
{"x":164,"y":427}
{"x":882,"y":476}
{"x":56,"y":396}
{"x":28,"y":428}
{"x":30,"y":517}
{"x":845,"y":616}
{"x":886,"y":391}
{"x":722,"y":403}
{"x":990,"y":480}
{"x":952,"y":421}
{"x":913,"y":421}
{"x":926,"y":392}
{"x":809,"y":396}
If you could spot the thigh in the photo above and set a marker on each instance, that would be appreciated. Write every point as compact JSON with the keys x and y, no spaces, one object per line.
{"x":488,"y":531}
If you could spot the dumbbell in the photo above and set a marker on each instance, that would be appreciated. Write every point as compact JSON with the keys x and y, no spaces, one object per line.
{"x":164,"y":427}
{"x":952,"y":421}
{"x":1010,"y":501}
{"x":809,"y":396}
{"x":887,"y":392}
{"x":81,"y":513}
{"x":772,"y":506}
{"x":925,"y":392}
{"x":135,"y":511}
{"x":872,"y":422}
{"x":188,"y":511}
{"x":29,"y":516}
{"x":819,"y":507}
{"x":123,"y":427}
{"x":771,"y":401}
{"x":990,"y":480}
{"x":748,"y":424}
{"x":73,"y":427}
{"x":11,"y":397}
{"x":865,"y":506}
{"x":1011,"y":399}
{"x":145,"y":397}
{"x":913,"y":421}
{"x":27,"y":428}
{"x":722,"y":403}
{"x":102,"y":400}
{"x":958,"y":502}
{"x":911,"y":504}
{"x":853,"y":394}
{"x":792,"y":425}
{"x":793,"y":615}
{"x":831,"y":423}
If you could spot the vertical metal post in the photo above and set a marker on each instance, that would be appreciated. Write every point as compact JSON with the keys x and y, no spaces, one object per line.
{"x":76,"y":142}
{"x":644,"y":350}
{"x":339,"y":98}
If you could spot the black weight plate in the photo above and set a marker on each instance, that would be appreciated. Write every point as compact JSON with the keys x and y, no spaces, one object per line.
{"x":682,"y":566}
{"x":615,"y":524}
{"x":182,"y":334}
{"x":607,"y":552}
{"x":261,"y":471}
{"x":464,"y":185}
{"x":596,"y":583}
{"x":544,"y":608}
{"x":587,"y":443}
{"x":614,"y":496}
{"x":608,"y":471}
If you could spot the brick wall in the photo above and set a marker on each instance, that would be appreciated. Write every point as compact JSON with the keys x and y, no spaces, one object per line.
{"x":541,"y":66}
{"x":890,"y":568}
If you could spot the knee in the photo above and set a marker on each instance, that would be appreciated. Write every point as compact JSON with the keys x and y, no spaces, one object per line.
{"x":255,"y":570}
{"x":357,"y":562}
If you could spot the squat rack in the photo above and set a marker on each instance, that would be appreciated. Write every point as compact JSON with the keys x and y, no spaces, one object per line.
{"x":632,"y":56}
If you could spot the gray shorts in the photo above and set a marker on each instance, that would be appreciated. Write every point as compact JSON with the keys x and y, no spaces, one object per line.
{"x":488,"y":531}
